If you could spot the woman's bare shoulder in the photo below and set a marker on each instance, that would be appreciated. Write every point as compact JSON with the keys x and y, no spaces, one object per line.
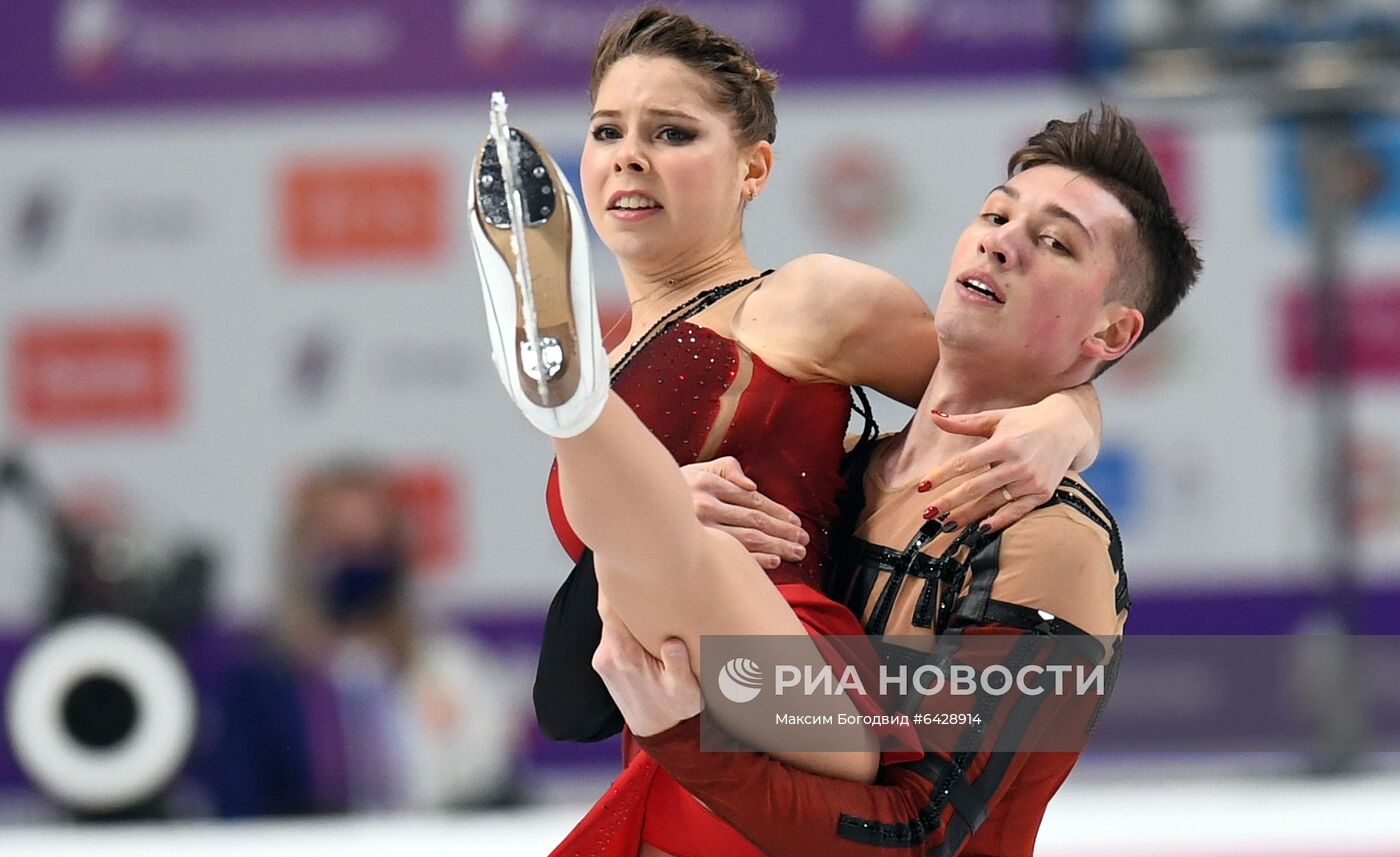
{"x":810,"y":309}
{"x":829,"y":272}
{"x":828,"y":287}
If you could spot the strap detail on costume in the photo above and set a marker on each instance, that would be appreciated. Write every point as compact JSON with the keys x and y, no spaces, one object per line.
{"x":720,"y":315}
{"x":1091,"y":497}
{"x":883,"y":834}
{"x":1078,"y":497}
{"x":985,"y":565}
{"x":845,"y":548}
{"x":685,"y":311}
{"x":919,"y":565}
{"x":970,"y":801}
{"x":902,"y":565}
{"x":869,"y":429}
{"x":941,"y":574}
{"x":1114,"y":662}
{"x":923,"y":608}
{"x":1036,"y":621}
{"x":1121,"y":599}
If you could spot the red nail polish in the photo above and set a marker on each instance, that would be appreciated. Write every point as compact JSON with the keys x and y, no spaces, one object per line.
{"x":941,"y":414}
{"x":930,"y":513}
{"x":924,"y":486}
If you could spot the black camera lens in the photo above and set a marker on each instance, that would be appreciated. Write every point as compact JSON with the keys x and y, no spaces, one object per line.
{"x":99,"y":712}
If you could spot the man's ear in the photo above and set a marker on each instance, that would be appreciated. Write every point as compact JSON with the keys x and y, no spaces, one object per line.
{"x":1120,"y":326}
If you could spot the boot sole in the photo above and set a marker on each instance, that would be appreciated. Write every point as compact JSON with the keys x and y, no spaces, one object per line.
{"x":548,"y":245}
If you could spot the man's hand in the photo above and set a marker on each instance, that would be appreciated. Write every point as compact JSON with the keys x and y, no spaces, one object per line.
{"x":1029,"y":449}
{"x":653,"y":695}
{"x":727,"y":500}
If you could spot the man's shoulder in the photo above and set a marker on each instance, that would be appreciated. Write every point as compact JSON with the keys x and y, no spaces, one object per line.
{"x":1065,"y":558}
{"x":1073,"y":509}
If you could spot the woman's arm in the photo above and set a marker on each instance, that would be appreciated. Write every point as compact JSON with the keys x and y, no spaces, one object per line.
{"x":1027,"y":452}
{"x":827,"y":318}
{"x":1086,"y":398}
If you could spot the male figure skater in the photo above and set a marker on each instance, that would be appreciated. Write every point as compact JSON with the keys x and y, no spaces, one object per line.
{"x":1067,"y":265}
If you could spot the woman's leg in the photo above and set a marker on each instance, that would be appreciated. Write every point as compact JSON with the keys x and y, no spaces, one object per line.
{"x":658,"y":566}
{"x":663,"y":573}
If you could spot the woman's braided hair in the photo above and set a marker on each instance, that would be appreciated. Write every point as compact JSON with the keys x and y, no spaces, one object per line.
{"x":741,"y":85}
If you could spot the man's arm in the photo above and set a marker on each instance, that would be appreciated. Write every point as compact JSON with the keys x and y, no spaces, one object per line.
{"x":943,"y":800}
{"x":911,"y":809}
{"x":1086,"y":398}
{"x":773,"y":805}
{"x":792,"y":813}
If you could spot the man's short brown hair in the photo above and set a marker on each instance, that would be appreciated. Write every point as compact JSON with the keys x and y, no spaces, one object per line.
{"x":1162,"y":265}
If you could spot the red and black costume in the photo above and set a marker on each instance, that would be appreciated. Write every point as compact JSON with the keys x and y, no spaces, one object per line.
{"x":1056,"y":576}
{"x":704,"y":396}
{"x":1057,"y":572}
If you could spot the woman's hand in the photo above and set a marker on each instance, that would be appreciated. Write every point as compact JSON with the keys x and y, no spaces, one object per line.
{"x":727,"y":500}
{"x":1028,"y":451}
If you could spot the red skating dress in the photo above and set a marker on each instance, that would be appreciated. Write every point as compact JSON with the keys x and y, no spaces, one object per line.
{"x":705,"y":396}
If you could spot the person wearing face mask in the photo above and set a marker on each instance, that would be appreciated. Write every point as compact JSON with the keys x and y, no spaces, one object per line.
{"x":352,"y":704}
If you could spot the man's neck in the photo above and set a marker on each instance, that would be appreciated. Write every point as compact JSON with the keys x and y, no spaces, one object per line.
{"x":958,"y":386}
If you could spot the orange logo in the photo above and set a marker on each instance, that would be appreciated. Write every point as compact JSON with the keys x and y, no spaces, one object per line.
{"x":363,"y":211}
{"x":432,"y":514}
{"x":100,"y":374}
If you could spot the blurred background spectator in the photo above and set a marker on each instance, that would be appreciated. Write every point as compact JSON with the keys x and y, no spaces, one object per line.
{"x":355,"y":703}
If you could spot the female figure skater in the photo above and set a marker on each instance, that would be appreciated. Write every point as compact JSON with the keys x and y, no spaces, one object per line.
{"x":720,"y":360}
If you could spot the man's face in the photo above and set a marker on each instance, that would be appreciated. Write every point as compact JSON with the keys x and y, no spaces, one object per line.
{"x":1029,"y":276}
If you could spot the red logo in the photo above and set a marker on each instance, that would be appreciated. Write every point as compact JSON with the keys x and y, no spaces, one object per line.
{"x":1370,"y":314}
{"x":108,"y":374}
{"x":856,"y":194}
{"x":1169,"y":151}
{"x":432,"y":511}
{"x":363,"y":211}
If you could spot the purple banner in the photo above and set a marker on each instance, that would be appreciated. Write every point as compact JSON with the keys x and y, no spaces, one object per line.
{"x":121,"y":53}
{"x":1204,"y":692}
